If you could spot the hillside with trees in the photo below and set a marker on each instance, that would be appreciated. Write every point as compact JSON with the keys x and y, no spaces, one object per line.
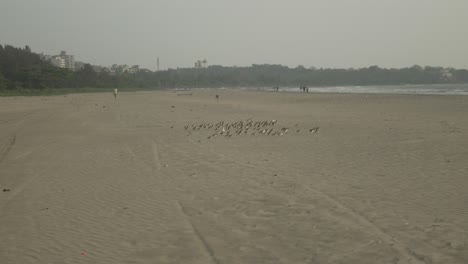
{"x":22,"y":69}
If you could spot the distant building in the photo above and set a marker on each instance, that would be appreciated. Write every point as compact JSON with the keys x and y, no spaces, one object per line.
{"x":61,"y":61}
{"x":116,"y":69}
{"x":447,"y":75}
{"x":200,"y":64}
{"x":45,"y":57}
{"x":69,"y":60}
{"x":134,"y":69}
{"x":58,"y":61}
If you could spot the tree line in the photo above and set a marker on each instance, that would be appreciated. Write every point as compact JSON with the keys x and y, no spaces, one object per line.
{"x":20,"y":68}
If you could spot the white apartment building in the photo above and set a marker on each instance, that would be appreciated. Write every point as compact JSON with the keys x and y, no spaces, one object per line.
{"x":58,"y":61}
{"x":69,"y":60}
{"x":62,"y":61}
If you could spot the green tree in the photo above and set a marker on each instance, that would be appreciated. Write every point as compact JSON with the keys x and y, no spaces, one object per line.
{"x":3,"y":83}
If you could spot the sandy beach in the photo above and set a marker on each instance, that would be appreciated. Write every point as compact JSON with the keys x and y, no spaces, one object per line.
{"x":155,"y":177}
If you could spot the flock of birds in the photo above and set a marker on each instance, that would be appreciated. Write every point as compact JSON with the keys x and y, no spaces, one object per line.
{"x":246,"y":127}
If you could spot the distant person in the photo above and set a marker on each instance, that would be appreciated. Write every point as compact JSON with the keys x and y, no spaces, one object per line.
{"x":217,"y":98}
{"x":115,"y":93}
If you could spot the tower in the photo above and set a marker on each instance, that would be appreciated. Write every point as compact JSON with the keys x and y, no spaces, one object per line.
{"x":157,"y":64}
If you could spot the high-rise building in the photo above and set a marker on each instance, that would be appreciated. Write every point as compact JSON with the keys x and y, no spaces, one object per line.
{"x":69,"y":60}
{"x":62,"y":61}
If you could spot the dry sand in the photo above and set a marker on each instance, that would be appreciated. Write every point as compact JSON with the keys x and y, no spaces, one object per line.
{"x":97,"y":180}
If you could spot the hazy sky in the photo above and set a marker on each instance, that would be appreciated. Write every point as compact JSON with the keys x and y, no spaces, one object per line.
{"x":322,"y":33}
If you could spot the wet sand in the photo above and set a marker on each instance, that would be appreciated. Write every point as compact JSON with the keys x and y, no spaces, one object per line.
{"x":142,"y":179}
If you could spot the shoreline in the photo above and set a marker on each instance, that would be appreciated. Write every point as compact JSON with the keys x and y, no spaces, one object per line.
{"x":61,"y":92}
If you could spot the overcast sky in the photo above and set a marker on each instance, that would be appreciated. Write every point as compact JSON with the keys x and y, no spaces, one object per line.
{"x":321,"y":33}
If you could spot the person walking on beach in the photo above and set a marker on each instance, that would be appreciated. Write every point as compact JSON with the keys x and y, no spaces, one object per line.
{"x":217,"y":98}
{"x":115,"y":93}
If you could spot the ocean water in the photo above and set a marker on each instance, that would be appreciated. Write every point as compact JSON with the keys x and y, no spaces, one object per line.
{"x":442,"y":89}
{"x":434,"y":89}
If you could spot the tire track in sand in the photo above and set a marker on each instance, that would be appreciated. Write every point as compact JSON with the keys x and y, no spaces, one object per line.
{"x":155,"y":162}
{"x":156,"y":157}
{"x":197,"y":233}
{"x":364,"y":222}
{"x":8,"y":148}
{"x":19,"y":127}
{"x":178,"y":205}
{"x":352,"y":214}
{"x":208,"y":249}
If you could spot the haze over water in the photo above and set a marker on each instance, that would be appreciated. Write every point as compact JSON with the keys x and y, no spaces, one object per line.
{"x":439,"y":89}
{"x":433,"y":89}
